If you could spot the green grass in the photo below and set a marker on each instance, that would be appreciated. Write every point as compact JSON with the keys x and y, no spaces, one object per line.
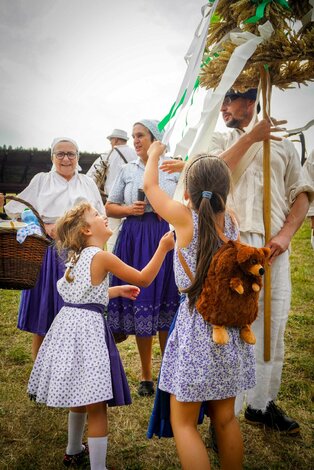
{"x":33,"y":437}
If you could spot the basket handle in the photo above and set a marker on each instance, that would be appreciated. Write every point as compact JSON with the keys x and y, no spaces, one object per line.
{"x":18,"y":199}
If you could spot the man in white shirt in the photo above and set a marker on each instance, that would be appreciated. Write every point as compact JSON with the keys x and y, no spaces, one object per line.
{"x":107,"y":167}
{"x":309,"y":172}
{"x":243,"y":153}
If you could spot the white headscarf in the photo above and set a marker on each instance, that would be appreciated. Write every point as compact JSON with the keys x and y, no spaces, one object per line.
{"x":64,"y":139}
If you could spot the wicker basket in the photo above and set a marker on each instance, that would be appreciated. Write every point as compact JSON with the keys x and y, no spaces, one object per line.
{"x":20,"y":263}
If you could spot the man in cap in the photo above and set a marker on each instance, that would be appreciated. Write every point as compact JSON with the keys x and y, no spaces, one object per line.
{"x":242,"y":150}
{"x":309,"y":172}
{"x":107,"y":167}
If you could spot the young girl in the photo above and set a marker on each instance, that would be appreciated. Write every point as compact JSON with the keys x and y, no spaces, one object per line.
{"x":194,"y":369}
{"x":78,"y":365}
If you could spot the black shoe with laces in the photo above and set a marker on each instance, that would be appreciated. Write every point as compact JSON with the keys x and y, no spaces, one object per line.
{"x":146,"y":388}
{"x":76,"y":460}
{"x":273,"y":417}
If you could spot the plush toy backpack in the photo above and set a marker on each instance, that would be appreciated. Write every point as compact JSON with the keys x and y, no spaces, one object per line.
{"x":231,"y":289}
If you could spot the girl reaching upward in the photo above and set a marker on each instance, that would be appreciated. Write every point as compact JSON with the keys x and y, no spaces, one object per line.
{"x":194,"y":368}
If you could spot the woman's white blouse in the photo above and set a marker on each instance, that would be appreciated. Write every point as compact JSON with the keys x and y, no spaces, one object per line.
{"x":51,"y":195}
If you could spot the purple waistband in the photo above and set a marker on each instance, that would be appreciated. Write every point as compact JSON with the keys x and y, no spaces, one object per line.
{"x":98,"y":308}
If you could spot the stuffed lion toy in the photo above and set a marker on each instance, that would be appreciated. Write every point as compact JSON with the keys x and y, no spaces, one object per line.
{"x":230,"y":293}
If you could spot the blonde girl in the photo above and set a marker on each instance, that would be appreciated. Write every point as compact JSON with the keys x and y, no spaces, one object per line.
{"x":78,"y":365}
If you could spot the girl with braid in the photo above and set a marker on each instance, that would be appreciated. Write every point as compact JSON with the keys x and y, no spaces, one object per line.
{"x":78,"y":365}
{"x":198,"y":374}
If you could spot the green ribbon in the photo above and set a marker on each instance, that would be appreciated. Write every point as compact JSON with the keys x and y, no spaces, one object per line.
{"x":173,"y":110}
{"x":162,"y":124}
{"x":260,"y":10}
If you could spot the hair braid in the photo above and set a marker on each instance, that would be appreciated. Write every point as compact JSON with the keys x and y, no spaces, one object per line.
{"x":70,"y":237}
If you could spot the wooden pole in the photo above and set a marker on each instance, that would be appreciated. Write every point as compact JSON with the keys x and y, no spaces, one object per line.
{"x":266,"y":91}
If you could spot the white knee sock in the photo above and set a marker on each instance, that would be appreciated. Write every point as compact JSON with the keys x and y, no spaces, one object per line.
{"x":76,"y":425}
{"x":98,"y":452}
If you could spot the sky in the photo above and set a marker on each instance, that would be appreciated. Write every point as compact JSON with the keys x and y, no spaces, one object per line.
{"x":80,"y":68}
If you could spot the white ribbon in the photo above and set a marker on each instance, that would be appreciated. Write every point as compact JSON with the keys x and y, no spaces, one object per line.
{"x":193,"y":57}
{"x":198,"y":138}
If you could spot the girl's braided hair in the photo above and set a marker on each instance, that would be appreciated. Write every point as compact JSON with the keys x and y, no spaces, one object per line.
{"x":210,"y":174}
{"x":70,"y":237}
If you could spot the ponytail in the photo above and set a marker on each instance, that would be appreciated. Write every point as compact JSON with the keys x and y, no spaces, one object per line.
{"x":207,"y":183}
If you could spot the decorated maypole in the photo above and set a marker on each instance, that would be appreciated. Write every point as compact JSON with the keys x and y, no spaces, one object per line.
{"x":248,"y":44}
{"x":283,"y":58}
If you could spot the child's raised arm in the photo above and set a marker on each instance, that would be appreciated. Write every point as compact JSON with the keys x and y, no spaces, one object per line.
{"x":105,"y":262}
{"x":173,"y":211}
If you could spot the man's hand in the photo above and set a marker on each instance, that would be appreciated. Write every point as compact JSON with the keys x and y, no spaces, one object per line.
{"x":278,"y":244}
{"x":172,"y":166}
{"x":277,"y":122}
{"x":263,"y":130}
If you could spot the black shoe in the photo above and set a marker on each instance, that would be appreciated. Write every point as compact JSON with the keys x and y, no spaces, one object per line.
{"x":273,"y":417}
{"x":146,"y":388}
{"x":77,"y":459}
{"x":212,"y":438}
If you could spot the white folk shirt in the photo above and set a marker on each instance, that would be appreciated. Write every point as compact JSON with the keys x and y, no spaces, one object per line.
{"x":52,"y":195}
{"x":287,"y":182}
{"x":116,"y":162}
{"x":309,"y":172}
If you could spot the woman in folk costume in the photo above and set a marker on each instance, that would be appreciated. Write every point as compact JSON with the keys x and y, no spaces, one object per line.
{"x":51,"y":194}
{"x":142,"y":228}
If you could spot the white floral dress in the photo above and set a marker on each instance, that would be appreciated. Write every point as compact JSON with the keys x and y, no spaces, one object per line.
{"x":194,"y":368}
{"x":73,"y":365}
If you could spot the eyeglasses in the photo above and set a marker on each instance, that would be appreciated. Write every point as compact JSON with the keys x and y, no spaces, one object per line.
{"x":61,"y":155}
{"x":228,"y":100}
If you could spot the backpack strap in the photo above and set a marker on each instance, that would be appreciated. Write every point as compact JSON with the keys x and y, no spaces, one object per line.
{"x":121,"y":154}
{"x":185,"y":266}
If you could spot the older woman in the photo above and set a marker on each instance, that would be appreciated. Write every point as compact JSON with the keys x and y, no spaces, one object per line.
{"x":51,"y":194}
{"x":141,"y":231}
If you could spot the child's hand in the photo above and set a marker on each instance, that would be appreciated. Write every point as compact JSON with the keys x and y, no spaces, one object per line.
{"x":129,"y":292}
{"x":167,"y":241}
{"x":156,"y":148}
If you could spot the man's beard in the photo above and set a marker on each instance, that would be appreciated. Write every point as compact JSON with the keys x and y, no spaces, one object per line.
{"x":234,"y":123}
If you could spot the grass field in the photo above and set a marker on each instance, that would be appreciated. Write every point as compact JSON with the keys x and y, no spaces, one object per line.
{"x":34,"y":437}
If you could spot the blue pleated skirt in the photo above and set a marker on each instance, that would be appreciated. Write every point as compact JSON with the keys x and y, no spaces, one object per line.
{"x":39,"y":305}
{"x":155,"y":307}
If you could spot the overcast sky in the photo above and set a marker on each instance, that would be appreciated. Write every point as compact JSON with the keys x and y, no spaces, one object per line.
{"x":80,"y":68}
